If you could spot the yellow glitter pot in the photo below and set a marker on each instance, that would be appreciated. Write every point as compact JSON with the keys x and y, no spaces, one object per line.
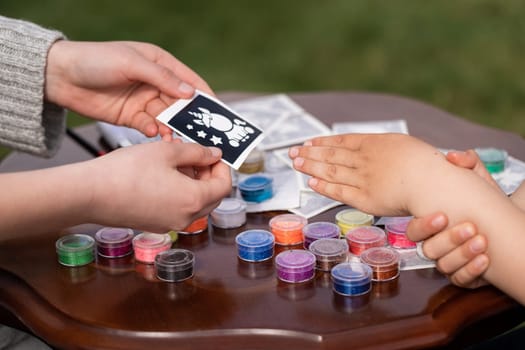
{"x":349,"y":219}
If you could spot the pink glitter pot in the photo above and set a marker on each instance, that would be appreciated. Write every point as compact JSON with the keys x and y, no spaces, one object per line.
{"x":361,"y":238}
{"x":295,"y":265}
{"x":318,"y":230}
{"x":147,"y":245}
{"x":114,"y":242}
{"x":396,"y":232}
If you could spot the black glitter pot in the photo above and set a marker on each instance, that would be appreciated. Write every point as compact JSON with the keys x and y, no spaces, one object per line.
{"x":174,"y":265}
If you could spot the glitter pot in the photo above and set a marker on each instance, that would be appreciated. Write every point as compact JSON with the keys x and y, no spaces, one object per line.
{"x":384,"y":262}
{"x":295,"y":265}
{"x":174,"y":265}
{"x":329,"y":252}
{"x":147,"y":245}
{"x":288,"y":228}
{"x":361,"y":238}
{"x":351,"y":278}
{"x":255,"y":245}
{"x":114,"y":242}
{"x":493,"y":158}
{"x":318,"y":230}
{"x":256,"y":188}
{"x":348,"y":219}
{"x":197,"y":226}
{"x":254,"y":163}
{"x":230,"y":213}
{"x":396,"y":233}
{"x":75,"y":250}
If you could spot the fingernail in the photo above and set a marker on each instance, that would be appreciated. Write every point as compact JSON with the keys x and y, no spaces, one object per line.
{"x":312,"y":182}
{"x":216,"y":152}
{"x":294,"y":152}
{"x":480,"y":262}
{"x":185,"y":88}
{"x":466,"y":231}
{"x":438,"y":221}
{"x":477,"y":245}
{"x":298,"y":162}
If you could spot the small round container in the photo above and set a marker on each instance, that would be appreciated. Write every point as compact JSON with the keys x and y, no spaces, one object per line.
{"x":197,"y":226}
{"x":396,"y":233}
{"x":174,"y":235}
{"x":493,"y":158}
{"x":254,"y":163}
{"x":174,"y":265}
{"x":231,"y":213}
{"x":384,"y":262}
{"x":288,"y":228}
{"x":114,"y":242}
{"x":147,"y":245}
{"x":75,"y":250}
{"x":317,"y":230}
{"x":348,"y":219}
{"x":295,"y":265}
{"x":256,"y":188}
{"x":362,"y":238}
{"x":351,"y":278}
{"x":329,"y":252}
{"x":255,"y":245}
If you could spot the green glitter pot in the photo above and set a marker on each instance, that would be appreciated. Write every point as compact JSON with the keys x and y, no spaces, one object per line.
{"x":493,"y":158}
{"x":75,"y":250}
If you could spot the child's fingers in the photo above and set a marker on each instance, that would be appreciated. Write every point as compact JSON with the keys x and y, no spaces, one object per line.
{"x":469,"y":276}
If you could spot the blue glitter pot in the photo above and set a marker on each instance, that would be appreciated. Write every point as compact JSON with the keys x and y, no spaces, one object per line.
{"x":255,"y":245}
{"x":256,"y":188}
{"x":352,"y":278}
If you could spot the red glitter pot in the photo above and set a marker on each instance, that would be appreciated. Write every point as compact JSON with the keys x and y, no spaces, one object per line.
{"x":114,"y":242}
{"x":361,"y":238}
{"x":384,"y":262}
{"x":396,"y":232}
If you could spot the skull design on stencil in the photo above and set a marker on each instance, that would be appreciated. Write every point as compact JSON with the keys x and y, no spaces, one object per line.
{"x":235,"y":130}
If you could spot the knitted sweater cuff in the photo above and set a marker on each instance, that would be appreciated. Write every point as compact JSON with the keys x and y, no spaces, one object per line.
{"x":27,"y":122}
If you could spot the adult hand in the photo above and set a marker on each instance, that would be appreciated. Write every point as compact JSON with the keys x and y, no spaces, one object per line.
{"x":124,"y":83}
{"x":148,"y":187}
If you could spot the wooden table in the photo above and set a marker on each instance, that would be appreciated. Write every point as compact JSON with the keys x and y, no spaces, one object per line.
{"x":230,"y":304}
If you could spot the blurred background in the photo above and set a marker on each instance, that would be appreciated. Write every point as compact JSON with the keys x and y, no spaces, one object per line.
{"x":462,"y":56}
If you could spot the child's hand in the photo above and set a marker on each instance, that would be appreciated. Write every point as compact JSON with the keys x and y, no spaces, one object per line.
{"x":459,"y":250}
{"x":377,"y":173}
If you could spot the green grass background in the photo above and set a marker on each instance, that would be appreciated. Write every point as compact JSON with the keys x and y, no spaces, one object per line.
{"x":464,"y":56}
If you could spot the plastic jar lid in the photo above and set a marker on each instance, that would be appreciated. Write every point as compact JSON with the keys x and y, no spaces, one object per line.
{"x":398,"y":226}
{"x":147,"y":240}
{"x":396,"y":232}
{"x":75,"y":250}
{"x":366,"y":235}
{"x":230,"y":213}
{"x":174,"y":265}
{"x":295,"y":261}
{"x":321,"y":229}
{"x":329,"y":248}
{"x":352,"y":275}
{"x":353,"y":217}
{"x":384,"y":262}
{"x":114,"y":236}
{"x":255,"y":183}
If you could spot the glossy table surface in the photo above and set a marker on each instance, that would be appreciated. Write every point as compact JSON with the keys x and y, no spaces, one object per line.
{"x":231,"y":304}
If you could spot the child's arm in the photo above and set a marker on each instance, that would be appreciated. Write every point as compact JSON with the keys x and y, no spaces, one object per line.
{"x":395,"y":174}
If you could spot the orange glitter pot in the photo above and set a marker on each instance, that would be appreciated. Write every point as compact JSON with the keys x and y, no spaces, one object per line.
{"x":288,"y":229}
{"x":196,"y":226}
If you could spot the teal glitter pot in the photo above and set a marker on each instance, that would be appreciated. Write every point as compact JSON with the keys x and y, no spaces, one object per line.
{"x":75,"y":250}
{"x":494,"y":159}
{"x":256,"y":188}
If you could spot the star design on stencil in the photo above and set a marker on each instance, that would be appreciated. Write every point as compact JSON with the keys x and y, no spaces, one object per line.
{"x":201,"y":134}
{"x":189,"y":127}
{"x":216,"y":140}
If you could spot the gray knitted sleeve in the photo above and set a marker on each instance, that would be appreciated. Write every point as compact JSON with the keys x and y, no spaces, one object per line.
{"x":27,"y":122}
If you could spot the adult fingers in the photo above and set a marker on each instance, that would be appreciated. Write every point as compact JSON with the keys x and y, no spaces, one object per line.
{"x":450,"y":261}
{"x":469,"y":276}
{"x":451,"y":239}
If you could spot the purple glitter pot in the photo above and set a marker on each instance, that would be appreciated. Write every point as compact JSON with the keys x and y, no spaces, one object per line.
{"x":329,"y":252}
{"x":295,"y":265}
{"x":318,"y":230}
{"x":255,"y":245}
{"x":114,"y":242}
